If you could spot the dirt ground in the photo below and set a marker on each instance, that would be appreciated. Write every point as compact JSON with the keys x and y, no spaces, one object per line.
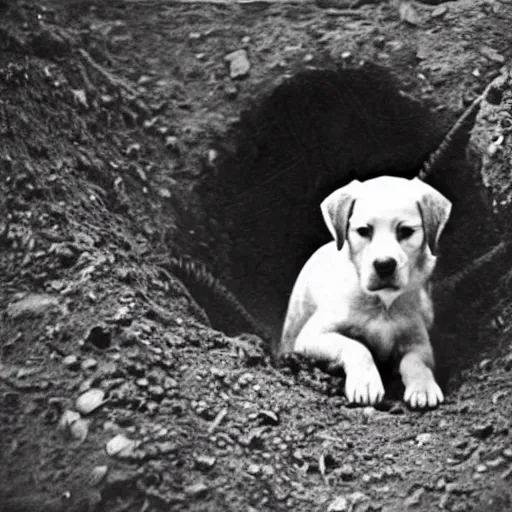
{"x":110,"y":116}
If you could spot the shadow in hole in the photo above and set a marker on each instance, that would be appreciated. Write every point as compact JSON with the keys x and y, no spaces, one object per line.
{"x":312,"y":134}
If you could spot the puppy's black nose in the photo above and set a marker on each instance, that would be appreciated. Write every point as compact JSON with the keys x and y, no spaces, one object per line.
{"x":385,"y":267}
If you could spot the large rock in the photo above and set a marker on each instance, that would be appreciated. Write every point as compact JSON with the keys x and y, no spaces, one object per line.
{"x":491,"y":137}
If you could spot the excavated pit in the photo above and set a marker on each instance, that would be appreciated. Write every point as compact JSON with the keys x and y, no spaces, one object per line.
{"x":314,"y":133}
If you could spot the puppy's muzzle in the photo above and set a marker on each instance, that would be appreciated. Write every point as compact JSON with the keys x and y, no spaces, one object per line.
{"x":385,"y":274}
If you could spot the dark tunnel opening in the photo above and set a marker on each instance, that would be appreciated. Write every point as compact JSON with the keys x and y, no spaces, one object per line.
{"x":312,"y":134}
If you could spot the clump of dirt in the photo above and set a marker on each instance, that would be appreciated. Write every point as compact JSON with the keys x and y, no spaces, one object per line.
{"x":110,"y":118}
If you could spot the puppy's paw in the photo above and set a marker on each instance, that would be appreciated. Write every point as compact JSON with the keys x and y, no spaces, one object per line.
{"x":364,"y":386}
{"x":423,"y":393}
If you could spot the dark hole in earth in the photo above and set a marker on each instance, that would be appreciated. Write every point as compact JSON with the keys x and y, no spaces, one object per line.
{"x":312,"y":134}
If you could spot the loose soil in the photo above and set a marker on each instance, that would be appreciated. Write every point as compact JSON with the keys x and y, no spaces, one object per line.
{"x":113,"y":120}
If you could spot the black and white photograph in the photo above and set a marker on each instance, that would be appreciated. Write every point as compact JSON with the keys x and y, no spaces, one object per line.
{"x":255,"y":256}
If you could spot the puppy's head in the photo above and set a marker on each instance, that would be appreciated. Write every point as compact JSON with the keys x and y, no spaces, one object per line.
{"x":392,"y":227}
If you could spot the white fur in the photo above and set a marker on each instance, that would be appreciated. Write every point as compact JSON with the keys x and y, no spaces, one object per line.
{"x":342,"y":311}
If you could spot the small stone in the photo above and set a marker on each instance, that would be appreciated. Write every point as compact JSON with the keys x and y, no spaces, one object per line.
{"x":414,"y":498}
{"x":164,"y":193}
{"x":198,"y":490}
{"x":34,"y":304}
{"x":80,"y":97}
{"x":172,"y":142}
{"x":245,"y":379}
{"x":440,"y":11}
{"x":97,"y":476}
{"x":268,"y":470}
{"x":79,"y":429}
{"x":507,"y":452}
{"x":142,"y":382}
{"x":239,"y":64}
{"x":481,"y":468}
{"x":89,"y":363}
{"x":297,"y":455}
{"x":340,"y":504}
{"x":120,"y":446}
{"x":494,"y":463}
{"x":422,"y":439}
{"x":492,"y":54}
{"x":253,"y":469}
{"x":71,"y":361}
{"x":90,"y":401}
{"x":157,"y":392}
{"x":68,"y":418}
{"x":216,"y":372}
{"x":369,"y":411}
{"x":205,"y":462}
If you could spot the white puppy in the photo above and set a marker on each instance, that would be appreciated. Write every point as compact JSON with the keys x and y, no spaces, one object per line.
{"x":367,"y":295}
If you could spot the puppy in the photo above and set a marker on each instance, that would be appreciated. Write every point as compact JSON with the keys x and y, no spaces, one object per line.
{"x":366,"y":295}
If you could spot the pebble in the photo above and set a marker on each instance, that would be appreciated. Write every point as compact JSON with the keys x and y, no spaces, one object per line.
{"x":34,"y":304}
{"x":414,"y":498}
{"x":89,"y":401}
{"x":71,"y":361}
{"x":98,"y":474}
{"x":253,"y":469}
{"x":440,"y":11}
{"x":198,"y":490}
{"x":267,"y":470}
{"x":239,"y":64}
{"x":89,"y":363}
{"x":422,"y":439}
{"x":347,"y":502}
{"x":205,"y":462}
{"x":340,"y":504}
{"x":142,"y":382}
{"x":245,"y":379}
{"x":481,"y":468}
{"x":492,"y":54}
{"x":120,"y":446}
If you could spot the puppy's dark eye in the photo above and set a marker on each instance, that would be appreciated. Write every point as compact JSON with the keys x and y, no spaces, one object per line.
{"x":404,"y":232}
{"x":364,"y":231}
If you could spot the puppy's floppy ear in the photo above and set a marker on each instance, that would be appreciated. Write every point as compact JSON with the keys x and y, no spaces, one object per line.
{"x":435,"y":210}
{"x":336,"y":210}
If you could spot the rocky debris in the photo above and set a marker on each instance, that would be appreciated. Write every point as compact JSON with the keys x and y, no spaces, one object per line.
{"x":348,"y":502}
{"x":120,"y":446}
{"x":89,"y":401}
{"x":239,"y":64}
{"x":492,"y":126}
{"x":34,"y":304}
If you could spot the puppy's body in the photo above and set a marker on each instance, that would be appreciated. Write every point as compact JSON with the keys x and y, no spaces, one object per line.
{"x":366,"y":295}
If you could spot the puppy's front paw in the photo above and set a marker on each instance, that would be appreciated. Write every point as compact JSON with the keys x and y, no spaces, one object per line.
{"x":364,"y":386}
{"x":422,"y":393}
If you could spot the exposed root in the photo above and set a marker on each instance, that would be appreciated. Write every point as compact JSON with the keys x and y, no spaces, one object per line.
{"x":114,"y":81}
{"x":226,"y":312}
